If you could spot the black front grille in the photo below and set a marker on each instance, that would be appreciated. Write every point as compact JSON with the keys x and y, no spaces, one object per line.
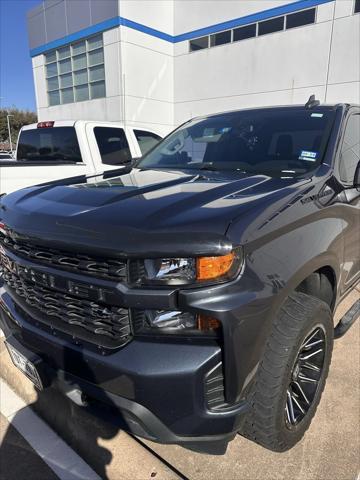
{"x":95,"y":322}
{"x":109,"y":268}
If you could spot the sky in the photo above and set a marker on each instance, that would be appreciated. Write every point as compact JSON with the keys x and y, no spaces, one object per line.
{"x":16,"y":79}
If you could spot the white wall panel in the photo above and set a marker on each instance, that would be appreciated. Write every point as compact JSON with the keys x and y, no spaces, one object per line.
{"x":38,"y":61}
{"x":113,"y":109}
{"x":149,"y":111}
{"x":113,"y":75}
{"x":40,"y":81}
{"x":345,"y":51}
{"x":109,"y":109}
{"x":148,"y":73}
{"x":157,"y":14}
{"x":344,"y":92}
{"x":186,"y":110}
{"x":279,"y":61}
{"x":195,"y":14}
{"x":344,"y":8}
{"x":150,"y":42}
{"x":325,"y":12}
{"x":111,"y":36}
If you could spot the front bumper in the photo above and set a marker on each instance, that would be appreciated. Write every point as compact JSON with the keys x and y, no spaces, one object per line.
{"x":158,"y":387}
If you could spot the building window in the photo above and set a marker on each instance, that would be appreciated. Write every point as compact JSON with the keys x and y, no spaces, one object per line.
{"x":199,"y":44}
{"x":76,"y":72}
{"x":357,"y":6}
{"x":299,"y":19}
{"x":271,"y":26}
{"x":220,"y":38}
{"x":277,"y":24}
{"x":242,"y":33}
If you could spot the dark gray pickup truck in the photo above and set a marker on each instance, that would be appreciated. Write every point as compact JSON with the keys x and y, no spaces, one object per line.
{"x":194,"y":290}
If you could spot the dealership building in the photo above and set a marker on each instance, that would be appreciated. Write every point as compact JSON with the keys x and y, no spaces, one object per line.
{"x":157,"y":63}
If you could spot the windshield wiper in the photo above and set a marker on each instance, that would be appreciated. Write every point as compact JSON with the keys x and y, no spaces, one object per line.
{"x":208,"y":166}
{"x":213,"y":168}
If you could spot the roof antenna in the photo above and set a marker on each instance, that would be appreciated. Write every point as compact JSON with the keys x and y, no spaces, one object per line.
{"x":312,"y":102}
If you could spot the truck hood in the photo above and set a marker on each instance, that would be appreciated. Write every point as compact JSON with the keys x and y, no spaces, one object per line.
{"x":141,"y":212}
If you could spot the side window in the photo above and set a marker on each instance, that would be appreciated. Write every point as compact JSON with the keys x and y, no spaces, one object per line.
{"x":350,"y":151}
{"x":146,"y":140}
{"x":113,"y":145}
{"x":53,"y":144}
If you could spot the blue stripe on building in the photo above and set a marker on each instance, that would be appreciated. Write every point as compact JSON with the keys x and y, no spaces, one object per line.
{"x":237,"y":22}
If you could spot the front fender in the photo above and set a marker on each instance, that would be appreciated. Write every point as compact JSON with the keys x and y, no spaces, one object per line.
{"x":280,"y":256}
{"x":293,"y":245}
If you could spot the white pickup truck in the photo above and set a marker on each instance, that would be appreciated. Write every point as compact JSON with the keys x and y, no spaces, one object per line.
{"x":49,"y":151}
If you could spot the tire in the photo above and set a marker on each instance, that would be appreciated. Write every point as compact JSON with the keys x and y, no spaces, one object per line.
{"x":270,"y":420}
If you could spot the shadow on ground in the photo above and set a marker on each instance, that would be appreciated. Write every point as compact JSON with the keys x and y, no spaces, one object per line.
{"x":83,"y":427}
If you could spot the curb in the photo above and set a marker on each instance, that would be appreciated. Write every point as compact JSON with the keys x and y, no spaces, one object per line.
{"x":47,"y":445}
{"x":111,"y":453}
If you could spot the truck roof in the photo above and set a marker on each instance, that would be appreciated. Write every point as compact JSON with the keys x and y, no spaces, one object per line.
{"x":71,"y":123}
{"x":282,"y":107}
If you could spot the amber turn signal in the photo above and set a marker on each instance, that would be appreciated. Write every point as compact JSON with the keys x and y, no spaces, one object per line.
{"x":205,"y":323}
{"x":208,"y":268}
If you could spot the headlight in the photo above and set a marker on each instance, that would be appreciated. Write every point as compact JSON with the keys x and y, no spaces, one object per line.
{"x":173,"y":271}
{"x":170,"y":320}
{"x":185,"y":271}
{"x":155,"y":322}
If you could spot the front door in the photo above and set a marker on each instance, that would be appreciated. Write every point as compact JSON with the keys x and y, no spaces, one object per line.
{"x":349,"y":160}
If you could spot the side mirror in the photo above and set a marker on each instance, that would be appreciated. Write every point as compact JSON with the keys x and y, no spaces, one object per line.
{"x":357,"y":176}
{"x":135,"y":161}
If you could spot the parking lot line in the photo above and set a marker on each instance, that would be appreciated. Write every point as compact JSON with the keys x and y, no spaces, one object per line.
{"x":64,"y":462}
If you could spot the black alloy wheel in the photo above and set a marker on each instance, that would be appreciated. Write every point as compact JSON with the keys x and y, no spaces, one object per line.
{"x":305,"y":377}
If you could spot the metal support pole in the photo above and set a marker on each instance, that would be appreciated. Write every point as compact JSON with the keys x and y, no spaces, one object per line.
{"x":9,"y":130}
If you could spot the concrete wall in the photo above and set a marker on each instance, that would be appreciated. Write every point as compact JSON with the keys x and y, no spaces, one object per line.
{"x":139,"y":74}
{"x":148,"y":65}
{"x":159,"y":83}
{"x":195,"y":14}
{"x":344,"y":65}
{"x":279,"y":68}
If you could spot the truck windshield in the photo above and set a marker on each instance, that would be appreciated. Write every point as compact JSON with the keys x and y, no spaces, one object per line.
{"x":54,"y":144}
{"x":280,"y":142}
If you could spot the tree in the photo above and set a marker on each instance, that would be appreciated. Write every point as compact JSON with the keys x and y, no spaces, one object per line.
{"x":19,"y":119}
